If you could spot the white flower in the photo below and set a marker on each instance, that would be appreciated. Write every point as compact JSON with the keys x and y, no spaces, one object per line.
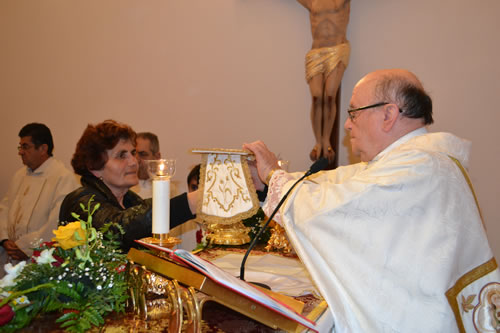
{"x":23,"y":300}
{"x":46,"y":257}
{"x":99,"y":287}
{"x":110,"y":285}
{"x":36,"y":243}
{"x":70,"y":285}
{"x":12,"y":273}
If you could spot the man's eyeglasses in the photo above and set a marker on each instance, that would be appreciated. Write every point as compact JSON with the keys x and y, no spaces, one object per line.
{"x":24,"y":147}
{"x":353,"y":112}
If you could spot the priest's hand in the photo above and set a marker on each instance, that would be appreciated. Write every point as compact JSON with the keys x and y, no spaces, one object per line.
{"x":266,"y":160}
{"x":13,"y":251}
{"x":259,"y":185}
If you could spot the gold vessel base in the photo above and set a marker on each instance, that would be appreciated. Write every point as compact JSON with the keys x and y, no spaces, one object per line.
{"x":228,"y":234}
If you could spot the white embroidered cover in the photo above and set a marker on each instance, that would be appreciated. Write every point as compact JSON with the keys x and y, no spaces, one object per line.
{"x":228,"y":192}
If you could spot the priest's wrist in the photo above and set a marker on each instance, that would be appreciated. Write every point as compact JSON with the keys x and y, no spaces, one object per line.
{"x":270,"y":175}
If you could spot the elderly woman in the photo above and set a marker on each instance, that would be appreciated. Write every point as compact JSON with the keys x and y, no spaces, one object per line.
{"x":105,"y":159}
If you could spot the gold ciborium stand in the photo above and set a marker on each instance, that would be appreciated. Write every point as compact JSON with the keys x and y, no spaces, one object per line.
{"x":228,"y":234}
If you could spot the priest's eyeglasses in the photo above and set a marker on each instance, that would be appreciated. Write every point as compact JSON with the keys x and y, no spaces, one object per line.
{"x":353,"y":112}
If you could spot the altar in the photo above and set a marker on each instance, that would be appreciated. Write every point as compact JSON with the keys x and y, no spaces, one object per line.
{"x":192,"y":296}
{"x":184,"y":287}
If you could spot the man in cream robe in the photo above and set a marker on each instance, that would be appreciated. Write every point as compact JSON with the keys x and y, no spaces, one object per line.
{"x":395,"y":243}
{"x":29,"y":211}
{"x":148,"y":148}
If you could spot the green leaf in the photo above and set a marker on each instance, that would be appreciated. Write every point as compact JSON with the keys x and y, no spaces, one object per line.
{"x":78,"y":254}
{"x":80,"y":287}
{"x":94,"y":317}
{"x":64,"y":289}
{"x":70,"y":322}
{"x":82,"y":326}
{"x":52,"y":305}
{"x":93,"y":234}
{"x":67,"y":316}
{"x":76,"y":234}
{"x":96,"y":207}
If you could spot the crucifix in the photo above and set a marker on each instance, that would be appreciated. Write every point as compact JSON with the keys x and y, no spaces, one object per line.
{"x":325,"y":66}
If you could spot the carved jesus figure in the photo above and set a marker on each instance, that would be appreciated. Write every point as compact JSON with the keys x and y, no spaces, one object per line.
{"x":325,"y":66}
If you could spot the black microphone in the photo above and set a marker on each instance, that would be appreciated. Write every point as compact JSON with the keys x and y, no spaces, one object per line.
{"x":319,"y":165}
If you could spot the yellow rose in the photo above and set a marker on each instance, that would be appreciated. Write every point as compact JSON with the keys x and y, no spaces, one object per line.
{"x":65,"y":235}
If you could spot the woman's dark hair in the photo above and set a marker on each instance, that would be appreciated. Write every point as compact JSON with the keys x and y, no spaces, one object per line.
{"x":91,"y":149}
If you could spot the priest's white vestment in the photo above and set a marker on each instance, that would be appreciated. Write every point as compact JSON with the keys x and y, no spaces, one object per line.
{"x":30,"y":210}
{"x":396,"y":244}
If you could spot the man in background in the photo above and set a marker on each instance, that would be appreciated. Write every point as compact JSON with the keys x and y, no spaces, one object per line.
{"x":193,"y":178}
{"x":29,"y":212}
{"x":147,"y":148}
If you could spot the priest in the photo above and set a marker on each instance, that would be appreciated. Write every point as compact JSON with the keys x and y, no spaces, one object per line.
{"x":395,"y":243}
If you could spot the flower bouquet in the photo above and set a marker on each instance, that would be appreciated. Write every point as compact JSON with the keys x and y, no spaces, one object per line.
{"x":79,"y":275}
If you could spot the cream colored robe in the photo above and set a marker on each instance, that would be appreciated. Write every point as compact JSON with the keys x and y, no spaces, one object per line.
{"x":30,"y":210}
{"x":385,"y":240}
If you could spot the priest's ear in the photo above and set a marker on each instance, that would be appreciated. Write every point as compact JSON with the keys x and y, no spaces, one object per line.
{"x":391,"y":114}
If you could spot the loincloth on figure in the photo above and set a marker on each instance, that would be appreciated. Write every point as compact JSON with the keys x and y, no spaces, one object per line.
{"x":325,"y":59}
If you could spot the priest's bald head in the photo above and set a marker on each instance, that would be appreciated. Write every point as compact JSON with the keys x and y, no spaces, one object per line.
{"x":385,"y":105}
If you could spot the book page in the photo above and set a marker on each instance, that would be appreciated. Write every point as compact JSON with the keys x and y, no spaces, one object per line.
{"x":222,"y":277}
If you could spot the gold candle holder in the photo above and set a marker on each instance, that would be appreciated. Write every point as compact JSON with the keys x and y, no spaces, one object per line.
{"x":163,"y":240}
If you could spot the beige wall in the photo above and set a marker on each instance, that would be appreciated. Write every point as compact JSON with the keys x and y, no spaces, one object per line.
{"x":218,"y":73}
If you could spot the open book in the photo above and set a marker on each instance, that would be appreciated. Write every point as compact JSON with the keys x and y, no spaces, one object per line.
{"x":229,"y":281}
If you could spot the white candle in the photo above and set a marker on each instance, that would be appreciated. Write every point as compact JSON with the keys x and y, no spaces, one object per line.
{"x":161,"y":205}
